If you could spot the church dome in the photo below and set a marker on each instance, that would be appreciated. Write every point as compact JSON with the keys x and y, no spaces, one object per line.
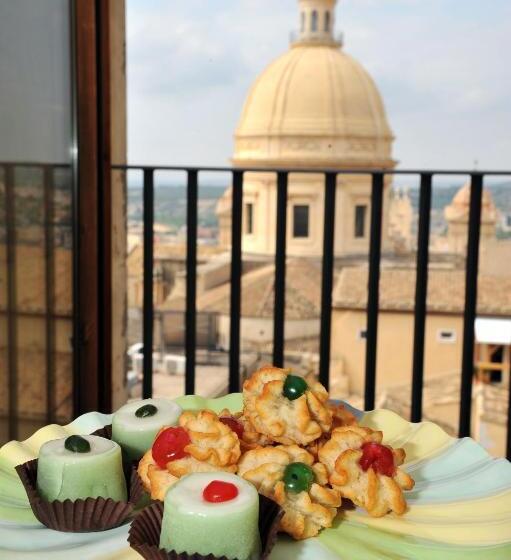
{"x":314,"y":105}
{"x":459,"y":209}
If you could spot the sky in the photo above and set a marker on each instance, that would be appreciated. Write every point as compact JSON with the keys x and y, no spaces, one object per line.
{"x":443,"y":68}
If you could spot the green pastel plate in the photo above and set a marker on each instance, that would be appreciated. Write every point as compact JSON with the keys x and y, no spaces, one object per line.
{"x":459,"y":508}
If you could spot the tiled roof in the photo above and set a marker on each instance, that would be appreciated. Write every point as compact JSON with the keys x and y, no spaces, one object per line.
{"x":446,"y":291}
{"x":167,"y":251}
{"x":303,"y":292}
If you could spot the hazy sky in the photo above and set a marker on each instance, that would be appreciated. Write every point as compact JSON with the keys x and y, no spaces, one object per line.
{"x":442,"y":66}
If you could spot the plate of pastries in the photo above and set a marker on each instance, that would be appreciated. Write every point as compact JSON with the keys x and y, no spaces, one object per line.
{"x":279,"y":471}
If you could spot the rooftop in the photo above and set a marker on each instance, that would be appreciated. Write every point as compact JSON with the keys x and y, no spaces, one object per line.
{"x":303,"y":293}
{"x":446,"y":291}
{"x":167,"y":252}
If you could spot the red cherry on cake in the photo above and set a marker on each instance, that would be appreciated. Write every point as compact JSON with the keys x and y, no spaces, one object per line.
{"x":378,"y":457}
{"x":219,"y":491}
{"x":235,"y":426}
{"x":170,"y":446}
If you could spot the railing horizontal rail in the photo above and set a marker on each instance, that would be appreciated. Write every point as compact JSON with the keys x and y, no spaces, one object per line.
{"x":347,"y":171}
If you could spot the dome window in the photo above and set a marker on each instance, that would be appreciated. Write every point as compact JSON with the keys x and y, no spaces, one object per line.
{"x":300,"y":221}
{"x":249,"y":216}
{"x":314,"y":20}
{"x":327,"y":21}
{"x":360,"y":220}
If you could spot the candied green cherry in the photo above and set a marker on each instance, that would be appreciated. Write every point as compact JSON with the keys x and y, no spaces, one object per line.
{"x":77,"y":444}
{"x":298,"y":477}
{"x":294,"y":387}
{"x":146,"y":411}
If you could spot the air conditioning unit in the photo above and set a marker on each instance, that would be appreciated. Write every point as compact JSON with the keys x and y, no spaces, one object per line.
{"x":174,"y":364}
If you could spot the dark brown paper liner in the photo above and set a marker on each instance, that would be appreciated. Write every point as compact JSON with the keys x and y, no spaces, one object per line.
{"x":78,"y":516}
{"x":105,"y":431}
{"x":144,"y":534}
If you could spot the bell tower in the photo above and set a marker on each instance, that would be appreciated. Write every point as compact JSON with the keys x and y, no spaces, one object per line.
{"x":316,"y":25}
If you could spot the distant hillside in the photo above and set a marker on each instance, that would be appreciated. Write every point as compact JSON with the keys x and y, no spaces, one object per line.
{"x":170,"y":204}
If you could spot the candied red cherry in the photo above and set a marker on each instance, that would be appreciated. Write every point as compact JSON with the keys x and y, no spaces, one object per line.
{"x":298,"y":477}
{"x":235,"y":426}
{"x":219,"y":491}
{"x":170,"y":446}
{"x":294,"y":387}
{"x":378,"y":457}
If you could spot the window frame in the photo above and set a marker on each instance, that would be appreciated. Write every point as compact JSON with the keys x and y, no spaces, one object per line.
{"x":295,"y":206}
{"x":314,"y":21}
{"x":452,"y":337}
{"x":249,"y":218}
{"x":356,"y":222}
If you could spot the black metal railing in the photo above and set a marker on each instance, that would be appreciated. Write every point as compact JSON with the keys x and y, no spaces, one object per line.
{"x":378,"y":176}
{"x":422,"y":260}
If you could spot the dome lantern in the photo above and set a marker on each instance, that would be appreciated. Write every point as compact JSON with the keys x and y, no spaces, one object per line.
{"x":317,"y":22}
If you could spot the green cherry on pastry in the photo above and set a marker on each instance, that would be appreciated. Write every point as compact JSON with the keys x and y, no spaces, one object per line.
{"x":294,"y":387}
{"x":146,"y":410}
{"x":77,"y":444}
{"x":298,"y":477}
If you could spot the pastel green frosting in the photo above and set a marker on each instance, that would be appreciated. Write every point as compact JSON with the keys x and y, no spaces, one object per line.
{"x":64,"y":474}
{"x":191,"y":524}
{"x":136,"y":435}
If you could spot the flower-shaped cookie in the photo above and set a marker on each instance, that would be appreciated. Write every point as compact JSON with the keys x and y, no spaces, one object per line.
{"x":210,"y":445}
{"x":289,"y":476}
{"x":285,"y":408}
{"x":247,"y":434}
{"x":365,"y":471}
{"x":341,"y":416}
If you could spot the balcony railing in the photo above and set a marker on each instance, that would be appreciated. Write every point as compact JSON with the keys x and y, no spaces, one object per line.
{"x":422,"y":260}
{"x":375,"y":243}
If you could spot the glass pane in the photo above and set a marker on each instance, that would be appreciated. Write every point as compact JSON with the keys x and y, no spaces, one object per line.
{"x":35,"y":216}
{"x":300,"y":221}
{"x":360,"y":219}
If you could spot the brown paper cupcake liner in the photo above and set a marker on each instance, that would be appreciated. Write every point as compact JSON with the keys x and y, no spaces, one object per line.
{"x":105,"y":432}
{"x":144,"y":534}
{"x":78,"y":516}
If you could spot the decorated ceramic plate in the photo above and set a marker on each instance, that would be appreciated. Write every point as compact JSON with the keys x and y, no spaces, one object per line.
{"x":460,"y":506}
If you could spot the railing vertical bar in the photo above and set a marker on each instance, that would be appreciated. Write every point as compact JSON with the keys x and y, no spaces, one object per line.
{"x":49,"y":263}
{"x":508,"y":433}
{"x":280,"y":270}
{"x":191,"y":281}
{"x":373,"y":289}
{"x":236,"y":271}
{"x":327,"y":278}
{"x":148,"y":309}
{"x":12,"y":346}
{"x":472,"y":264}
{"x":421,"y":290}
